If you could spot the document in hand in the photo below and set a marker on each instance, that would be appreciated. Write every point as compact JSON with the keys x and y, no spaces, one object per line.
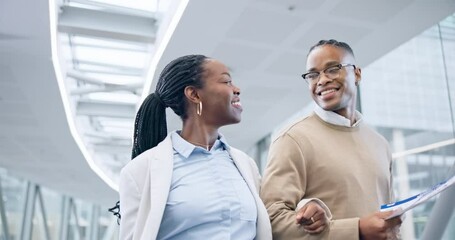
{"x":402,"y":206}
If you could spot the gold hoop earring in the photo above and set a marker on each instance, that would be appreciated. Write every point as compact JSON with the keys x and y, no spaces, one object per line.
{"x":199,"y":109}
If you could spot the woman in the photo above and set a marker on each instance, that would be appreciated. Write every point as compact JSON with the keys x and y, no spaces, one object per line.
{"x":191,"y":184}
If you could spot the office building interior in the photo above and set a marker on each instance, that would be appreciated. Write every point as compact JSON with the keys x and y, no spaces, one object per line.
{"x":74,"y":72}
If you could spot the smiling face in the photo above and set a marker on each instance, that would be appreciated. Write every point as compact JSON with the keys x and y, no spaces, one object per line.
{"x":338,"y":94}
{"x":220,"y":97}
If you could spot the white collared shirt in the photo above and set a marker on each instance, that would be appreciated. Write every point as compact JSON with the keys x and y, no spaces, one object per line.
{"x":337,"y":119}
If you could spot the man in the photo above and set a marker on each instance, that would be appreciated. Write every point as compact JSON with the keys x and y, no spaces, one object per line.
{"x":330,"y":157}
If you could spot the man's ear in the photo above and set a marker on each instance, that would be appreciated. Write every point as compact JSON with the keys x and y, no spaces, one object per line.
{"x":191,"y":94}
{"x":358,"y":76}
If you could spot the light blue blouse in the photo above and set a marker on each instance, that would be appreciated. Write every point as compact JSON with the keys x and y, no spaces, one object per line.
{"x":208,"y":199}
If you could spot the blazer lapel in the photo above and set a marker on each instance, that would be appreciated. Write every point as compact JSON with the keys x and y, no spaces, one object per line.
{"x":161,"y":167}
{"x":244,"y":169}
{"x":264,"y":230}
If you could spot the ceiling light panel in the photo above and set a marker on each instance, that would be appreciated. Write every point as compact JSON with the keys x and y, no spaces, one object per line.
{"x":110,"y":69}
{"x":144,"y":5}
{"x":109,"y":43}
{"x":114,"y":97}
{"x":111,"y":56}
{"x":111,"y":78}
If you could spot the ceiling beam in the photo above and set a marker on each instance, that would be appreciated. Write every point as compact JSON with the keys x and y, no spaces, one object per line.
{"x":96,"y":81}
{"x":115,"y":68}
{"x":107,"y":137}
{"x":99,"y":109}
{"x":106,"y":88}
{"x":97,"y":23}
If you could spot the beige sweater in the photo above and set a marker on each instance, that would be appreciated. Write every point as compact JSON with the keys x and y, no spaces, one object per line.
{"x":347,"y":168}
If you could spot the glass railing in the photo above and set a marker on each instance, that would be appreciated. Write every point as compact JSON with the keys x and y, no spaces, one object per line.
{"x":30,"y":211}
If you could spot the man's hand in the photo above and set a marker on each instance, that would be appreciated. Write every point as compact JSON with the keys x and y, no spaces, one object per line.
{"x":312,"y":217}
{"x":376,"y":227}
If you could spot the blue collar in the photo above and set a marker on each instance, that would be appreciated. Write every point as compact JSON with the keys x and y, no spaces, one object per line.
{"x":184,"y":148}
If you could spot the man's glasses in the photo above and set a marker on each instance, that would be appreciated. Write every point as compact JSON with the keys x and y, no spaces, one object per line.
{"x":331,"y":72}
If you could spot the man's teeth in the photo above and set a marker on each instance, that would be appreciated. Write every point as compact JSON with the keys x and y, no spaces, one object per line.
{"x":237,"y":104}
{"x":327,"y":92}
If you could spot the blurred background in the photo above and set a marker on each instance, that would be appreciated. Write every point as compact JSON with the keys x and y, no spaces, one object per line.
{"x":73,"y":73}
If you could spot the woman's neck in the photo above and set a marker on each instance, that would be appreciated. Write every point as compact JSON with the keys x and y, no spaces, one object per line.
{"x":199,"y":135}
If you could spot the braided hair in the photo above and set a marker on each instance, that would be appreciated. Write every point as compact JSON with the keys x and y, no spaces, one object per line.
{"x":150,"y":127}
{"x":335,"y":43}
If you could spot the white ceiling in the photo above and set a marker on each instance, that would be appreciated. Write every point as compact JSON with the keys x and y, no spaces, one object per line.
{"x":263,"y":42}
{"x":35,"y":141}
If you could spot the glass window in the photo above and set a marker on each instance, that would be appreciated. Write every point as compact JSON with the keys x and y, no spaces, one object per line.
{"x":408,"y":96}
{"x":13,"y":190}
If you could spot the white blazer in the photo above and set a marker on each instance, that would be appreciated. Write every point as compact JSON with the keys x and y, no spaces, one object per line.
{"x":144,"y":188}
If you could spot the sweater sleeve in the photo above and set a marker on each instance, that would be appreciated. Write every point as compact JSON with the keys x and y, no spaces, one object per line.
{"x":284,"y":185}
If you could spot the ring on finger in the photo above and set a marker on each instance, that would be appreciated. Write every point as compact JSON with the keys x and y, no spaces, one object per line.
{"x":312,"y":219}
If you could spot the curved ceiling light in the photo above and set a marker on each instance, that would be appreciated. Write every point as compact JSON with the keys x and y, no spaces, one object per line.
{"x":102,"y":81}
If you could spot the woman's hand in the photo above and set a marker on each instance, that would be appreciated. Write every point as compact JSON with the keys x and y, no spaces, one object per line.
{"x":312,"y":217}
